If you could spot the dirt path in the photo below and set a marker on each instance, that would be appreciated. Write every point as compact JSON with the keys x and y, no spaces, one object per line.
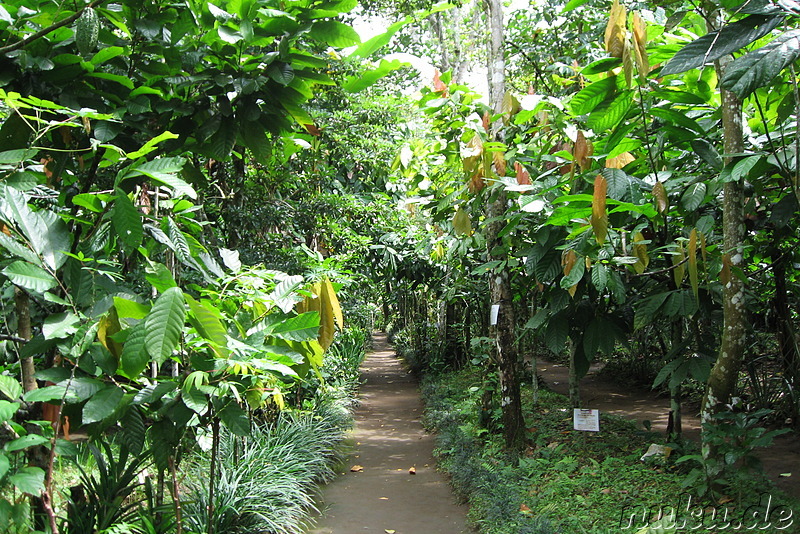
{"x":390,"y":440}
{"x":641,"y":404}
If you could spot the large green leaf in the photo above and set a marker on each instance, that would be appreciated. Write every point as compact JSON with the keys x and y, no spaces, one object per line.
{"x":285,"y":293}
{"x":676,"y":117}
{"x":206,"y":320}
{"x":715,"y":45}
{"x":694,"y":196}
{"x":135,"y":357}
{"x":334,"y":33}
{"x":164,"y":324}
{"x":30,"y":277}
{"x":7,"y":410}
{"x":759,"y":67}
{"x":10,"y":387}
{"x":163,"y":170}
{"x":102,"y":404}
{"x":127,"y":221}
{"x":608,"y":114}
{"x":45,"y":231}
{"x":233,"y":417}
{"x":25,"y":442}
{"x":588,"y":98}
{"x":303,"y":327}
{"x":354,"y":84}
{"x":28,"y":480}
{"x":556,"y":332}
{"x":60,"y":325}
{"x":18,"y":249}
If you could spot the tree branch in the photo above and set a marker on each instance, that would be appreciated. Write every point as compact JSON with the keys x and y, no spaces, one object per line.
{"x":44,"y":31}
{"x":9,"y":337}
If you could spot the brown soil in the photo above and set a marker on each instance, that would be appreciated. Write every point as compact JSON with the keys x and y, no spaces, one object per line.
{"x":608,"y":396}
{"x":383,"y":496}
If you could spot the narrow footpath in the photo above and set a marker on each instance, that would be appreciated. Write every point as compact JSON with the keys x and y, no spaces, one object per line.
{"x":390,"y":485}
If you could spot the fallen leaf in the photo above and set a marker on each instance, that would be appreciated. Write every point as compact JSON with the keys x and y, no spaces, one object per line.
{"x":412,"y":470}
{"x":785,"y":474}
{"x":605,"y":491}
{"x":384,"y":498}
{"x":356,"y":469}
{"x":389,"y":531}
{"x":523,"y":508}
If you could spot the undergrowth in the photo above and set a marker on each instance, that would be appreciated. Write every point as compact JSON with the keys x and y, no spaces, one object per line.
{"x":570,"y":482}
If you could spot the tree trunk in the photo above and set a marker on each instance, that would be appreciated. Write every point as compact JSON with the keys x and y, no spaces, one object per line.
{"x":500,"y":284}
{"x":722,"y":380}
{"x":26,"y":364}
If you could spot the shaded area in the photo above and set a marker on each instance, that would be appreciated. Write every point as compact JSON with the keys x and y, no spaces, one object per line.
{"x":641,"y":405}
{"x":389,"y":440}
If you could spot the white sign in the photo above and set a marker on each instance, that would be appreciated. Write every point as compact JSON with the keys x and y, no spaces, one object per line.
{"x":588,"y":420}
{"x":493,"y":314}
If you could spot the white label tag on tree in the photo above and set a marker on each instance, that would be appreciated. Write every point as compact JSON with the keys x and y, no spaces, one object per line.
{"x":495,"y":311}
{"x":588,"y":420}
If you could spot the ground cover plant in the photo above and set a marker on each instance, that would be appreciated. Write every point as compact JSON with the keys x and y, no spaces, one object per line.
{"x":570,"y":481}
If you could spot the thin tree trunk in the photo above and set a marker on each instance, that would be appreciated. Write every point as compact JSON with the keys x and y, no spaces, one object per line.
{"x":26,"y":364}
{"x":724,"y":374}
{"x":500,"y":284}
{"x":574,"y":381}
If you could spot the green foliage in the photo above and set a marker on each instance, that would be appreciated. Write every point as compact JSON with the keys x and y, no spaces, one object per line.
{"x":267,"y":482}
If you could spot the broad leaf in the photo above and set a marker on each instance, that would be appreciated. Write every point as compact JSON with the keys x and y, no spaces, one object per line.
{"x":7,"y":410}
{"x":233,"y":417}
{"x":609,"y":113}
{"x":556,"y":332}
{"x":715,"y":45}
{"x":334,"y":33}
{"x":135,"y":356}
{"x":164,"y":324}
{"x":206,"y":320}
{"x":30,"y":277}
{"x":354,"y":84}
{"x":60,"y":325}
{"x":127,"y":221}
{"x":303,"y":327}
{"x":231,"y":259}
{"x":588,"y":98}
{"x":25,"y":442}
{"x":694,"y":196}
{"x":28,"y":480}
{"x":10,"y":387}
{"x":102,"y":404}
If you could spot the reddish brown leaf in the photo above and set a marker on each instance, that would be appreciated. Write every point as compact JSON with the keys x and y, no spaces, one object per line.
{"x":523,"y":176}
{"x":313,"y":129}
{"x":599,"y":219}
{"x":499,"y":163}
{"x":620,"y":161}
{"x":660,"y":195}
{"x":615,"y":30}
{"x":438,"y":85}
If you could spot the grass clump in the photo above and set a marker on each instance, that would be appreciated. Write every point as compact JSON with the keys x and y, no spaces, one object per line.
{"x":574,"y":482}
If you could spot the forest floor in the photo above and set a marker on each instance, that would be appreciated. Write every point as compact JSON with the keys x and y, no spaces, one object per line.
{"x":600,"y":392}
{"x":377,"y":492}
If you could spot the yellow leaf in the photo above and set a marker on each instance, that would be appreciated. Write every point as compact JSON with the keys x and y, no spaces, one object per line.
{"x":499,"y":163}
{"x":627,"y":62}
{"x":581,"y":151}
{"x":660,"y":195}
{"x":725,"y":273}
{"x":679,"y":272}
{"x":324,"y":301}
{"x":568,"y":261}
{"x":510,"y":106}
{"x":620,"y":161}
{"x":693,"y":261}
{"x":461,"y":222}
{"x":109,"y":325}
{"x":615,"y":30}
{"x":640,"y":46}
{"x":599,"y":219}
{"x":357,"y":469}
{"x":640,"y":251}
{"x":333,"y":301}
